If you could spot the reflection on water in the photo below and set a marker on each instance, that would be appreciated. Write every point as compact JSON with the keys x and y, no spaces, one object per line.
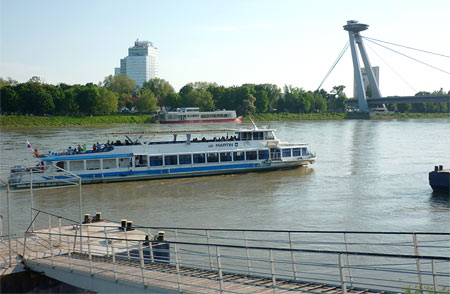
{"x":369,"y":175}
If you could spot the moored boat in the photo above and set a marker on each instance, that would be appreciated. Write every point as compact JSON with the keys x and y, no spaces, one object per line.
{"x":185,"y":154}
{"x":439,"y":179}
{"x":194,"y":115}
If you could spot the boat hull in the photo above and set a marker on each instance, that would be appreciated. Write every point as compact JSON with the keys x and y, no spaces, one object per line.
{"x":42,"y":180}
{"x":439,"y":181}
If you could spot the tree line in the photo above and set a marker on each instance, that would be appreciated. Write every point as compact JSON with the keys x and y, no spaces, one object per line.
{"x":119,"y":93}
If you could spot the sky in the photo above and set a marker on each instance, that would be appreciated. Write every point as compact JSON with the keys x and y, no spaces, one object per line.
{"x":230,"y":42}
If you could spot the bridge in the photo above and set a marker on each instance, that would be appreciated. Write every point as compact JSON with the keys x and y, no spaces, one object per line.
{"x":354,"y":29}
{"x":403,"y":99}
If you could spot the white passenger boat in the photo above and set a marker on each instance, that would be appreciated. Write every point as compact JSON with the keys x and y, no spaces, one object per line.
{"x":194,"y":115}
{"x":185,"y":154}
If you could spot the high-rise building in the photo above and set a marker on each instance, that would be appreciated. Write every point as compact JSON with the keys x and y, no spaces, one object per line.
{"x":141,"y":64}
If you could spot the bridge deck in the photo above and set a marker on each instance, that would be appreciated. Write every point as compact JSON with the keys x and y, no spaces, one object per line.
{"x":190,"y":280}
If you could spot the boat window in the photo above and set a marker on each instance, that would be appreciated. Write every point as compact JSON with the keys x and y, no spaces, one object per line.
{"x":296,"y":152}
{"x":77,"y":165}
{"x":245,"y":136}
{"x":305,"y":151}
{"x":93,"y":164}
{"x":258,"y":136}
{"x":125,"y":162}
{"x":225,"y":156}
{"x":213,"y":157}
{"x":140,"y":161}
{"x":287,"y":152}
{"x":60,"y":164}
{"x":185,"y":159}
{"x":275,"y":153}
{"x":155,"y":160}
{"x":251,"y":155}
{"x":109,"y":163}
{"x":263,"y":154}
{"x":269,"y":135}
{"x":199,"y":158}
{"x":170,"y":160}
{"x":238,"y":155}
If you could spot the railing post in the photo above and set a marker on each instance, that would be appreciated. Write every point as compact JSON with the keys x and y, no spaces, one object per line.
{"x":209,"y":250}
{"x":176,"y":239}
{"x":272,"y":271}
{"x":348,"y":261}
{"x":36,"y":248}
{"x":69,"y":254}
{"x":106,"y":241}
{"x":177,"y":265}
{"x":49,"y":227}
{"x":291,"y":245}
{"x":150,"y":245}
{"x":114,"y":261}
{"x":59,"y":229}
{"x":249,"y":265}
{"x":126,"y":242}
{"x":141,"y":258}
{"x":342,"y":274}
{"x":51,"y":250}
{"x":219,"y":269}
{"x":31,"y":198}
{"x":89,"y":251}
{"x":433,"y":270}
{"x":419,"y":271}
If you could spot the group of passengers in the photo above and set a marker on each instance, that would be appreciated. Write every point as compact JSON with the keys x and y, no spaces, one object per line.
{"x":219,"y":139}
{"x":80,"y":149}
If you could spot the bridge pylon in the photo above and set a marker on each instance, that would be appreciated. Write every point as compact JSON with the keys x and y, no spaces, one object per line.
{"x":354,"y":28}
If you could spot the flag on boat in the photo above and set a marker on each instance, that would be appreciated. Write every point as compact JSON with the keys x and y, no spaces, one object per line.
{"x":29,"y":145}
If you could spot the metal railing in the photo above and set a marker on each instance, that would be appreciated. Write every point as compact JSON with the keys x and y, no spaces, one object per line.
{"x":350,"y":261}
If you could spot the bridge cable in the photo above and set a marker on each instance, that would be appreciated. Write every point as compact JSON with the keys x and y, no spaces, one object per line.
{"x":385,"y":62}
{"x":429,"y":52}
{"x":335,"y":63}
{"x":409,"y":57}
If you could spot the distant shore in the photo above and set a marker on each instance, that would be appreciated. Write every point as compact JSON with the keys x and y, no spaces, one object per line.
{"x":55,"y":121}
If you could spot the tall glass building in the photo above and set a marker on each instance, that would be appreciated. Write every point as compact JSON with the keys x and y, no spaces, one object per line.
{"x":141,"y":64}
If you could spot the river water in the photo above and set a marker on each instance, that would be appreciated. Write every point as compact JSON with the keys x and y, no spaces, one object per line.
{"x":370,"y":175}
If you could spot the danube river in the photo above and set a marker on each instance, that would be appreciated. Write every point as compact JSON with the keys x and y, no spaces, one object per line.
{"x":370,"y":175}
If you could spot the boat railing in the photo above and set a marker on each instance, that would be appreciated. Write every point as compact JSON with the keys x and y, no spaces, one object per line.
{"x":346,"y":260}
{"x":50,"y":175}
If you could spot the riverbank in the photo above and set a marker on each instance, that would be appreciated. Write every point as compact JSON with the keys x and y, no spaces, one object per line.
{"x":51,"y":121}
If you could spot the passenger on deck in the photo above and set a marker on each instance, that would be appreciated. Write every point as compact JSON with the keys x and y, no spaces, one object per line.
{"x":203,"y":139}
{"x":94,"y":148}
{"x":84,"y":147}
{"x":79,"y":149}
{"x":69,"y":150}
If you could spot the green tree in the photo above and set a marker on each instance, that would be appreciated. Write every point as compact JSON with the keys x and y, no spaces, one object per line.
{"x":147,"y":102}
{"x":34,"y":98}
{"x":87,"y":98}
{"x":262,"y":101}
{"x":120,"y":84}
{"x":107,"y":101}
{"x":160,"y":88}
{"x":173,"y":100}
{"x":204,"y":100}
{"x":10,"y":100}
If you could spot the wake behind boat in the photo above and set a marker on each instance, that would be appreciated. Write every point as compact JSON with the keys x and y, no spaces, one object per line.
{"x":185,"y":154}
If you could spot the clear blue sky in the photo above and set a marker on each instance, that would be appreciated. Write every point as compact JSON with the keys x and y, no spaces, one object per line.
{"x":229,"y":42}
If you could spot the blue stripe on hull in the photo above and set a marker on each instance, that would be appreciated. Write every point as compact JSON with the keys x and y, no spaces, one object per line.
{"x":167,"y":171}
